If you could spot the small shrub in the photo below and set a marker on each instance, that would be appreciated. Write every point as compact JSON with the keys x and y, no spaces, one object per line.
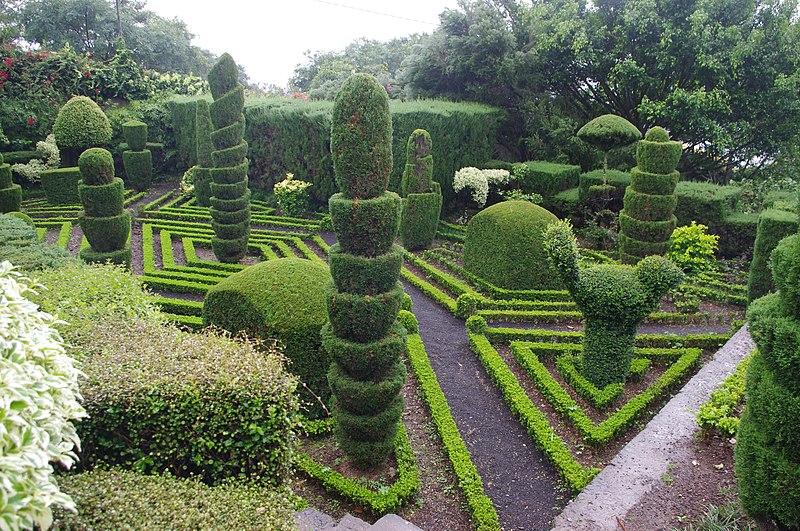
{"x":292,"y":195}
{"x":692,"y":249}
{"x":187,"y":185}
{"x":478,"y":181}
{"x":48,"y":158}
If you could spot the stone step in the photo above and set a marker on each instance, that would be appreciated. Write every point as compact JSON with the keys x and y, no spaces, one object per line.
{"x":311,"y":519}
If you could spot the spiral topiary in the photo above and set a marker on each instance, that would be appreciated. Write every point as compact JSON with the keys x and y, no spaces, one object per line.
{"x":363,"y":337}
{"x":767,"y":453}
{"x":138,"y":160}
{"x":10,"y":193}
{"x":422,"y":204}
{"x":103,"y":221}
{"x":205,"y":147}
{"x":80,"y":124}
{"x":230,"y":197}
{"x":648,"y":217}
{"x":614,"y":300}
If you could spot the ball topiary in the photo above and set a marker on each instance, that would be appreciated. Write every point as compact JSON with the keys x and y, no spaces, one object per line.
{"x":614,"y":300}
{"x":97,"y":166}
{"x":504,"y":246}
{"x":80,"y":124}
{"x":282,"y":299}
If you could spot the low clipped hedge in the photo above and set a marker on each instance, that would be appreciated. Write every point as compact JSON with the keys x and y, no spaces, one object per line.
{"x":618,"y":179}
{"x":188,"y":404}
{"x":545,"y":178}
{"x":120,"y":499}
{"x":706,"y":203}
{"x":61,"y":185}
{"x":773,"y":226}
{"x":720,"y":412}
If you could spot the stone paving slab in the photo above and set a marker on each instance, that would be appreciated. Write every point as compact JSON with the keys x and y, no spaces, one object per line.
{"x":640,"y":464}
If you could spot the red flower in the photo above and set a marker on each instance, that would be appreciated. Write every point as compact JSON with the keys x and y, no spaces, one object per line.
{"x":87,"y":74}
{"x":9,"y":62}
{"x":4,"y":75}
{"x":97,"y":91}
{"x":28,"y":54}
{"x":31,"y":121}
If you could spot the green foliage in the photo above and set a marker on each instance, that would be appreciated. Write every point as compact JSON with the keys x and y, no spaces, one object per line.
{"x":418,"y":173}
{"x":20,"y":246}
{"x":106,"y":233}
{"x":223,"y":76}
{"x":117,"y":498}
{"x":420,"y":219}
{"x":102,"y":200}
{"x":203,"y":130}
{"x":654,"y":183}
{"x":282,"y":299}
{"x":138,"y":169}
{"x":619,"y":180}
{"x":81,"y":124}
{"x":292,"y":196}
{"x":658,"y":156}
{"x":545,"y":178}
{"x":366,"y":227}
{"x":721,"y":410}
{"x":692,"y":249}
{"x":61,"y":185}
{"x":365,"y":360}
{"x":504,"y":246}
{"x":184,"y":118}
{"x":363,"y":274}
{"x":361,"y":138}
{"x":364,"y":318}
{"x":24,"y":217}
{"x":10,"y":193}
{"x":705,"y":203}
{"x":773,"y":226}
{"x":97,"y":166}
{"x":609,"y":131}
{"x":135,"y":133}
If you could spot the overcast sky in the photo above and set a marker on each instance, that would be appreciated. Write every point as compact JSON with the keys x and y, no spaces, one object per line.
{"x":268,"y":38}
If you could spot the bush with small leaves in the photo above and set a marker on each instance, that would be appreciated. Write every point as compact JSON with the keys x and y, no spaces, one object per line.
{"x":80,"y":124}
{"x":607,"y":132}
{"x":422,"y":204}
{"x":205,"y":147}
{"x":692,"y":249}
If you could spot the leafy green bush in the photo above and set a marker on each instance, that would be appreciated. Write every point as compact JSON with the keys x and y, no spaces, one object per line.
{"x":20,"y":245}
{"x":204,"y":148}
{"x":504,"y":246}
{"x":38,"y":402}
{"x":135,"y":133}
{"x":10,"y":193}
{"x":422,"y":203}
{"x":773,"y":226}
{"x":282,"y":299}
{"x":693,"y":250}
{"x":705,"y":203}
{"x":720,"y":411}
{"x":619,"y":179}
{"x":121,"y":499}
{"x":292,"y":195}
{"x":80,"y":124}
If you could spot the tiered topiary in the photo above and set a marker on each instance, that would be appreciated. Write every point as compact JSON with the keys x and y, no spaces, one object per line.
{"x":422,"y":203}
{"x":363,"y":337}
{"x":614,"y":300}
{"x":767,"y":450}
{"x":10,"y":193}
{"x":103,"y":221}
{"x":648,"y":217}
{"x":80,"y":125}
{"x":205,"y":162}
{"x":230,"y":197}
{"x":504,"y":246}
{"x":282,"y":299}
{"x":138,"y":160}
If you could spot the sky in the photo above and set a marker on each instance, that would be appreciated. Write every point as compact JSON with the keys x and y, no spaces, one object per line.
{"x":269,"y":37}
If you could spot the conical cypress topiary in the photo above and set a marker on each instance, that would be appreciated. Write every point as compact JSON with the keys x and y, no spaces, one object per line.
{"x":648,"y":217}
{"x":230,"y":197}
{"x":362,"y":336}
{"x":422,"y":203}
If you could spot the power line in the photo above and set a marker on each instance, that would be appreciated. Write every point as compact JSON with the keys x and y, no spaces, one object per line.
{"x":374,"y":12}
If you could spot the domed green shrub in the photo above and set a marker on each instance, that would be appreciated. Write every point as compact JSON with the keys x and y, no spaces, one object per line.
{"x":230,"y":164}
{"x":504,"y":246}
{"x":422,"y":203}
{"x":80,"y":124}
{"x":767,"y":452}
{"x":282,"y":299}
{"x":138,"y":160}
{"x":10,"y":193}
{"x":202,"y":172}
{"x":614,"y":300}
{"x":363,"y":337}
{"x":648,"y":217}
{"x":105,"y":224}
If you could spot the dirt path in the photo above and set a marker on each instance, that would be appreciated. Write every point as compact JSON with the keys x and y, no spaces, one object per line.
{"x":521,"y":483}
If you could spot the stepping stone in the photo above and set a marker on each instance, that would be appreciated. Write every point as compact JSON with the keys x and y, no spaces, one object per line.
{"x":351,"y":523}
{"x":313,"y":520}
{"x":392,"y":522}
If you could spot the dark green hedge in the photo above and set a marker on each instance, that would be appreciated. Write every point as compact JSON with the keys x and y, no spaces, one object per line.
{"x":362,"y":274}
{"x":138,"y":169}
{"x":648,"y":231}
{"x":705,"y":203}
{"x":773,"y":226}
{"x":545,"y":178}
{"x":649,"y":207}
{"x":366,"y":397}
{"x":736,"y":234}
{"x":654,"y":183}
{"x":365,"y":360}
{"x":184,"y":117}
{"x":363,"y":317}
{"x":20,"y":157}
{"x":619,"y":179}
{"x":107,"y":233}
{"x":420,"y":219}
{"x":117,"y":256}
{"x":61,"y":185}
{"x":10,"y":198}
{"x":135,"y":133}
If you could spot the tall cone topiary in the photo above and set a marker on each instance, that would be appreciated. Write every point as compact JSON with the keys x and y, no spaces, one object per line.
{"x":422,"y":202}
{"x":230,"y":197}
{"x":205,"y":147}
{"x":648,"y":217}
{"x":105,"y":224}
{"x":362,"y":336}
{"x":138,"y":160}
{"x":10,"y":193}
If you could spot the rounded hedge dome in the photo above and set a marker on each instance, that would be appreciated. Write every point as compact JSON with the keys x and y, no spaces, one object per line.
{"x":81,"y":124}
{"x":504,"y":246}
{"x":282,"y":299}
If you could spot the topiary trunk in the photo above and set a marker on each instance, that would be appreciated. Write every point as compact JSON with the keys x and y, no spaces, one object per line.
{"x":648,"y":217}
{"x":230,"y":197}
{"x":362,"y":336}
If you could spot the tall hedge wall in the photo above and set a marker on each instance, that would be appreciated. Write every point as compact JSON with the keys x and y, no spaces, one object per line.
{"x":287,"y":135}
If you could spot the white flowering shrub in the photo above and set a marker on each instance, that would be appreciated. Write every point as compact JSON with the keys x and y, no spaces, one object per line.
{"x":38,"y":400}
{"x":187,"y":182}
{"x":478,"y":181}
{"x":50,"y":159}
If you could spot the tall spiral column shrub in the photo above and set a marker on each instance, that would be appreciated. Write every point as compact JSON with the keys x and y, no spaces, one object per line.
{"x":138,"y":160}
{"x":767,"y":453}
{"x":362,"y":335}
{"x":205,"y":162}
{"x":648,"y":217}
{"x":230,"y":197}
{"x":10,"y":193}
{"x":104,"y":222}
{"x":422,"y":204}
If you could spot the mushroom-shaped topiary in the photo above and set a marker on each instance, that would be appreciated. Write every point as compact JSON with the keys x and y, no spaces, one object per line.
{"x":608,"y":132}
{"x":422,"y":203}
{"x":10,"y":193}
{"x":80,"y":124}
{"x":614,"y":300}
{"x":103,"y":221}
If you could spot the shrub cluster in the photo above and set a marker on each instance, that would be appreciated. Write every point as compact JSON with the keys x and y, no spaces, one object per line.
{"x":362,"y":338}
{"x":422,"y":198}
{"x":767,"y":453}
{"x":614,"y":300}
{"x":648,"y":217}
{"x":46,"y":157}
{"x":773,"y":226}
{"x":105,"y":224}
{"x":720,"y":412}
{"x":10,"y":193}
{"x":138,"y":160}
{"x":478,"y":182}
{"x":230,"y":197}
{"x":593,"y":188}
{"x":292,"y":195}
